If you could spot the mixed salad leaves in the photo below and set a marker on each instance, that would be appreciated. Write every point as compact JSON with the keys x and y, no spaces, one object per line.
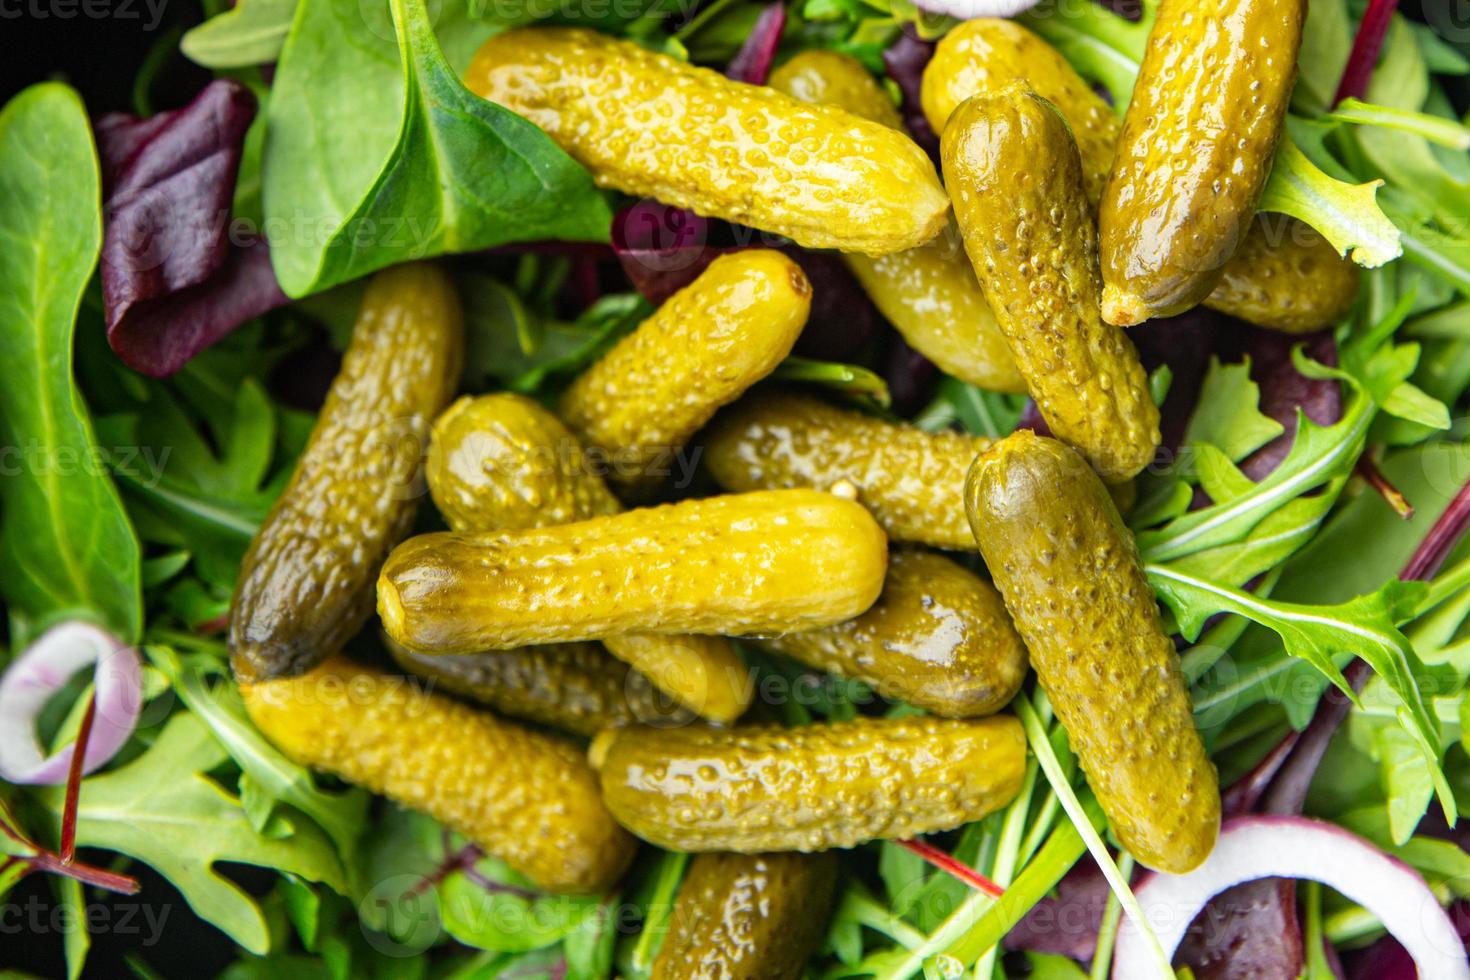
{"x":1302,"y":531}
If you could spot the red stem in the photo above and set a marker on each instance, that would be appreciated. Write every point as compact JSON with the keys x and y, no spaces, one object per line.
{"x":1391,"y":494}
{"x":1366,"y":45}
{"x":1441,"y":539}
{"x":68,"y":850}
{"x":945,"y":862}
{"x":87,"y":874}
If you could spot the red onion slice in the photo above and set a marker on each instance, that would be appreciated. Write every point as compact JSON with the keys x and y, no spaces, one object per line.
{"x":970,"y":9}
{"x":42,"y":670}
{"x":1254,"y":847}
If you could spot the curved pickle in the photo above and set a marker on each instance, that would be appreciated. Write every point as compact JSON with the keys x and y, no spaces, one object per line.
{"x":907,"y":477}
{"x":748,"y":917}
{"x":1283,"y":277}
{"x":768,"y":562}
{"x":1016,"y":180}
{"x":1070,"y":574}
{"x":767,"y":788}
{"x":938,"y":638}
{"x":305,"y":585}
{"x":651,"y":126}
{"x":502,"y":462}
{"x":524,"y":797}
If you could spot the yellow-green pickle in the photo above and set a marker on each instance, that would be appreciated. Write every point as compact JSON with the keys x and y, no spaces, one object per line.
{"x":1070,"y":574}
{"x":652,"y":126}
{"x":1198,"y":140}
{"x":711,"y":341}
{"x":907,"y":477}
{"x":739,"y":564}
{"x":574,"y":687}
{"x":306,"y":584}
{"x":502,"y":462}
{"x":928,"y":293}
{"x":522,"y":796}
{"x":748,"y":917}
{"x":1283,"y":276}
{"x":938,"y":638}
{"x":1016,"y":180}
{"x":766,"y":788}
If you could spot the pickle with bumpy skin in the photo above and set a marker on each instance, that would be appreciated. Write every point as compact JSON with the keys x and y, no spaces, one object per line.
{"x":1198,"y":140}
{"x":522,"y":796}
{"x":305,"y":584}
{"x":928,"y":293}
{"x":744,"y":563}
{"x":576,"y":687}
{"x":710,"y":342}
{"x":907,"y":477}
{"x":502,"y":462}
{"x":1016,"y":180}
{"x":651,"y":126}
{"x":938,"y":637}
{"x":748,"y":917}
{"x":1294,"y":281}
{"x":1071,"y":577}
{"x":767,"y":788}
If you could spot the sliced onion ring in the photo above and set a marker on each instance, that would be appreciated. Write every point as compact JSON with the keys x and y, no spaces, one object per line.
{"x":970,"y":9}
{"x":1254,"y":847}
{"x":42,"y":670}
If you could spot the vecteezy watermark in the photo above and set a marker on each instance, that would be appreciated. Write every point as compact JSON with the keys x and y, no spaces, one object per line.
{"x":143,"y":465}
{"x":35,"y":917}
{"x":149,"y":12}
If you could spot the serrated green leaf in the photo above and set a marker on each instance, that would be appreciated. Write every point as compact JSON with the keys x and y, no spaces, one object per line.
{"x":1346,"y":214}
{"x":1228,"y":415}
{"x":1408,"y":782}
{"x":1408,"y":402}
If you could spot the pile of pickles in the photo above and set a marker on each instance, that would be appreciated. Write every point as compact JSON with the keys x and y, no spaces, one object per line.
{"x":581,"y":634}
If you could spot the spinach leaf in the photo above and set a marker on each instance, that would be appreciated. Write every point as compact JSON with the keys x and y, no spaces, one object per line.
{"x":249,"y":33}
{"x":376,"y":156}
{"x":68,"y":548}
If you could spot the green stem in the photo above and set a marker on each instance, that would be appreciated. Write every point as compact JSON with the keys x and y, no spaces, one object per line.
{"x":1003,"y":870}
{"x":1107,"y":934}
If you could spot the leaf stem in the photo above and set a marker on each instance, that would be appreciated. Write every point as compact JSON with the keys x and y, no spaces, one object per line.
{"x":947,"y":863}
{"x":1366,"y":45}
{"x":68,"y":850}
{"x":1107,"y":934}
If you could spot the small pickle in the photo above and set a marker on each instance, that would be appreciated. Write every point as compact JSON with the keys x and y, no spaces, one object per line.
{"x":652,"y":126}
{"x":574,"y":687}
{"x":305,"y":585}
{"x":524,"y":797}
{"x":1070,"y":574}
{"x":1293,"y":281}
{"x":1016,"y":180}
{"x":748,"y":917}
{"x":928,"y":293}
{"x":907,"y":477}
{"x":768,"y":562}
{"x":1198,"y":141}
{"x":503,"y":463}
{"x":710,"y":342}
{"x":938,"y":637}
{"x":767,"y":788}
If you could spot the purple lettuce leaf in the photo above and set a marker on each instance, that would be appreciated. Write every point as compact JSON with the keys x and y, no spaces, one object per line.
{"x":905,"y":61}
{"x":752,"y":63}
{"x":174,"y":278}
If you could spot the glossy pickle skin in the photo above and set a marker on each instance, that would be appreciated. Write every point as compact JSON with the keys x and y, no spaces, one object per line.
{"x":305,"y":584}
{"x":1072,"y":580}
{"x":906,"y":477}
{"x":652,"y":126}
{"x":938,"y":638}
{"x":525,"y":797}
{"x":821,"y":77}
{"x":765,"y":788}
{"x":1197,"y":145}
{"x":1282,"y":278}
{"x":748,"y":917}
{"x":574,"y":687}
{"x":730,"y":565}
{"x":698,"y":352}
{"x":1016,"y":181}
{"x":502,"y":462}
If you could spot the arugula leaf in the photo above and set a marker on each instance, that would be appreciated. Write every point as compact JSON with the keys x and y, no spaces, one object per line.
{"x":1445,"y":132}
{"x":68,"y":548}
{"x":249,"y":33}
{"x":509,"y":344}
{"x":164,"y":810}
{"x":1228,"y":414}
{"x":857,"y":383}
{"x":459,"y":174}
{"x":498,"y":910}
{"x":979,"y":412}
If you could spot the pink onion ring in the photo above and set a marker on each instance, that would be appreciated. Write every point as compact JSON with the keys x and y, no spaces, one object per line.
{"x":42,"y":670}
{"x":970,"y":9}
{"x":1254,"y":847}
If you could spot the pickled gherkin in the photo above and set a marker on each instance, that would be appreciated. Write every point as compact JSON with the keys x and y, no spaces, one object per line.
{"x":766,"y":788}
{"x":651,"y":126}
{"x":907,"y":477}
{"x":1016,"y":179}
{"x":306,"y":584}
{"x":1072,"y":580}
{"x":502,"y":462}
{"x":522,"y":796}
{"x":821,"y":77}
